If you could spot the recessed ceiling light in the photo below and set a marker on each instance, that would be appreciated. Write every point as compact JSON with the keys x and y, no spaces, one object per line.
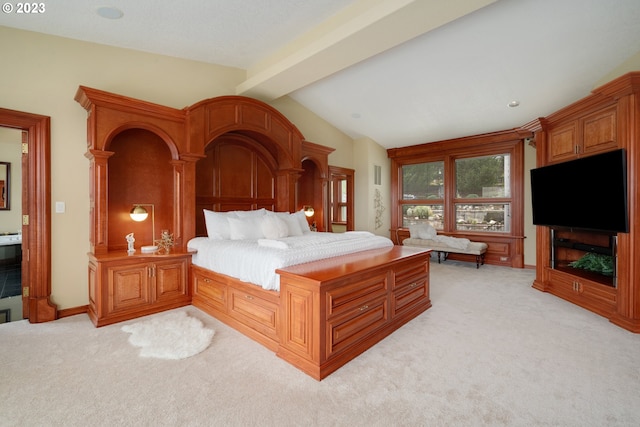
{"x":513,"y":104}
{"x":109,"y":12}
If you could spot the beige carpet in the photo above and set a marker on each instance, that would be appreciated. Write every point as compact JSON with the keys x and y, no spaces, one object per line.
{"x":491,"y":351}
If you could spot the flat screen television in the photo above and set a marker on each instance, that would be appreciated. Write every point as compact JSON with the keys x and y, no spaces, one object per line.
{"x":589,"y":193}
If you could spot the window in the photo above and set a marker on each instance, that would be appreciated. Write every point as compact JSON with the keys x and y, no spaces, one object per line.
{"x":423,"y":193}
{"x":459,"y":187}
{"x":341,"y":199}
{"x":483,"y":191}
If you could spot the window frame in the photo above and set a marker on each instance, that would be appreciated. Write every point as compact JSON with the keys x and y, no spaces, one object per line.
{"x":506,"y":142}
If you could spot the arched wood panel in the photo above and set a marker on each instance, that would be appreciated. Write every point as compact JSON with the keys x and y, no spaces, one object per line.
{"x":140,"y":171}
{"x":238,"y":173}
{"x":225,"y":115}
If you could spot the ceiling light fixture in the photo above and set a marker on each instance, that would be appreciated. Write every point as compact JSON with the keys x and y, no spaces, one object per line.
{"x":109,"y":12}
{"x":513,"y":104}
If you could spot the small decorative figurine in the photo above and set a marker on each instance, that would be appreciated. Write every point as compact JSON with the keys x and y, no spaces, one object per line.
{"x":130,"y":241}
{"x":166,"y":241}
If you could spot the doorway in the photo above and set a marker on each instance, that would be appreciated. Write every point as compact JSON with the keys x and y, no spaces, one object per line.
{"x":35,"y":213}
{"x":10,"y":225}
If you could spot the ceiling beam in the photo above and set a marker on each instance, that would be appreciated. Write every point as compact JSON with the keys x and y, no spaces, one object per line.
{"x":365,"y":29}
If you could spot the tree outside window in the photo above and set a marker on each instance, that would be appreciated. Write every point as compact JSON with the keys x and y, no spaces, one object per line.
{"x":481,"y":196}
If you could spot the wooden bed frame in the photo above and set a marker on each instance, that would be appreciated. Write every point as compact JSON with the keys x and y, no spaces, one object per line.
{"x":327,"y":312}
{"x":223,"y":154}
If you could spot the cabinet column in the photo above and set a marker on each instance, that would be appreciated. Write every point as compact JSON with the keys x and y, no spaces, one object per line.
{"x":98,"y":174}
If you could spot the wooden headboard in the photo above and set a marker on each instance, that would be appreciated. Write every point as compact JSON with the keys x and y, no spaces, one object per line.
{"x":237,"y":173}
{"x":252,"y":157}
{"x":224,"y":153}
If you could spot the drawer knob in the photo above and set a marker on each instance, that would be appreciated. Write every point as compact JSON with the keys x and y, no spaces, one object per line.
{"x":364,"y":307}
{"x":248,"y":297}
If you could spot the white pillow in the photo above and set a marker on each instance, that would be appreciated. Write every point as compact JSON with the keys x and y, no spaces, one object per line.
{"x":293,"y":224}
{"x":422,"y":231}
{"x":217,"y":224}
{"x":250,"y":214}
{"x":302,"y":220}
{"x":245,"y":228}
{"x":274,"y":227}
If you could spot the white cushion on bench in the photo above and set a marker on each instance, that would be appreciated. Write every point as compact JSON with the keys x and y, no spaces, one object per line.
{"x":473,"y":248}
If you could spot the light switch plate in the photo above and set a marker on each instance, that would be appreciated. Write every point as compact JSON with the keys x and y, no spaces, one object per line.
{"x":60,"y":207}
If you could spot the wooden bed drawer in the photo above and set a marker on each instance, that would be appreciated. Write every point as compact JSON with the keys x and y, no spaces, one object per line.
{"x":210,"y":291}
{"x":355,"y":324}
{"x":408,"y":273}
{"x":254,"y":311}
{"x":353,"y":295}
{"x":409,"y":295}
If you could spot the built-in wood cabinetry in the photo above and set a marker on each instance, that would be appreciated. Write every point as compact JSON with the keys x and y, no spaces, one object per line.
{"x":583,"y":136}
{"x":334,"y":309}
{"x":606,"y":120}
{"x":225,"y":153}
{"x":138,"y":155}
{"x":125,"y":286}
{"x":312,"y":187}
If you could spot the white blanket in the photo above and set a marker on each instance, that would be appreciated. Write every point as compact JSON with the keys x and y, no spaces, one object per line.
{"x":256,"y":262}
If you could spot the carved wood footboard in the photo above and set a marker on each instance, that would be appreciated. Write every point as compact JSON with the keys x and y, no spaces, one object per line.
{"x":327,"y":312}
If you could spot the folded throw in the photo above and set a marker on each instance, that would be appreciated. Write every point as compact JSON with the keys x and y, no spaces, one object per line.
{"x":271,"y":243}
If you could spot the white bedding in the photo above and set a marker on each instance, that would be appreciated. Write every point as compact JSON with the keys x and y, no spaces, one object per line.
{"x":254,"y":262}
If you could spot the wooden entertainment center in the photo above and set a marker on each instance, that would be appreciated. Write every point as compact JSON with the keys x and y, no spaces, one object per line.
{"x":606,"y":120}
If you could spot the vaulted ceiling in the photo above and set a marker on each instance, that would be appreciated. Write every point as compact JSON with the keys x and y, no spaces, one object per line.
{"x":400,"y":72}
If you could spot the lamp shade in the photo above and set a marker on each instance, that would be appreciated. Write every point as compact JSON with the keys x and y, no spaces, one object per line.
{"x":308,"y":211}
{"x":138,"y":213}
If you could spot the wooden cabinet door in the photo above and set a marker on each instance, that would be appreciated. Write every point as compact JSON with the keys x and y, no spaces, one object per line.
{"x":128,"y":287}
{"x":599,"y":130}
{"x":562,"y":143}
{"x":600,"y":299}
{"x":170,"y":279}
{"x":594,"y":133}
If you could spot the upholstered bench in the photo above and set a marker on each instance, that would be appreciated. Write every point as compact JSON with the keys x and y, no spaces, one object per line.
{"x":473,"y":248}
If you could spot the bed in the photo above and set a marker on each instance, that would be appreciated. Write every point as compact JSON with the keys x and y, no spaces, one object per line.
{"x":317,"y":314}
{"x":316,"y":299}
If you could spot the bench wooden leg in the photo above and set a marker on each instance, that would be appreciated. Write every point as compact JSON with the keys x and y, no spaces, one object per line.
{"x":479,"y":260}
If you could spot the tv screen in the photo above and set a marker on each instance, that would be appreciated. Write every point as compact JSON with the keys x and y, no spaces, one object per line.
{"x":589,"y":193}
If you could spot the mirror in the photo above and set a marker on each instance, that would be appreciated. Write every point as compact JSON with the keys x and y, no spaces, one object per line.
{"x":5,"y":187}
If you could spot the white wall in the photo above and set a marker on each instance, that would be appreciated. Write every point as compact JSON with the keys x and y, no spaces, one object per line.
{"x":367,"y":154}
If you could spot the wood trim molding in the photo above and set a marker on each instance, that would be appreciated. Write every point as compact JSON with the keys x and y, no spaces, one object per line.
{"x":36,"y":237}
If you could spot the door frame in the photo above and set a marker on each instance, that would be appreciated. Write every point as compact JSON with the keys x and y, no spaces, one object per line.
{"x":36,"y":206}
{"x":337,"y":174}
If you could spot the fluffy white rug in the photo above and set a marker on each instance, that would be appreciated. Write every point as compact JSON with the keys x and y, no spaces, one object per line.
{"x":174,"y":335}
